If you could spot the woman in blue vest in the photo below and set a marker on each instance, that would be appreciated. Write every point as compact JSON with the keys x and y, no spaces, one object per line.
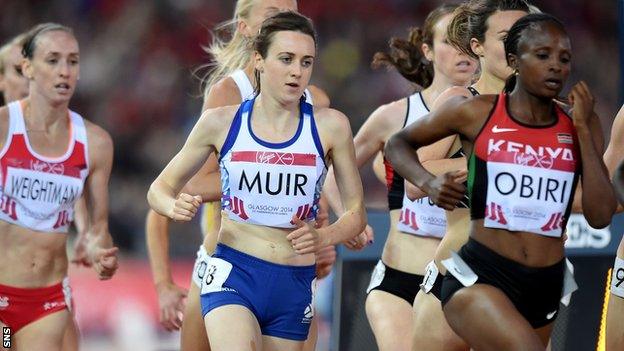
{"x":273,"y":153}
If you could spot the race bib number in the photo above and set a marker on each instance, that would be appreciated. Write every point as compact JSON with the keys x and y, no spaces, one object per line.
{"x":216,"y":274}
{"x":201,"y":266}
{"x":377,"y":277}
{"x":617,"y":279}
{"x":528,"y":192}
{"x":569,"y":283}
{"x":460,"y":270}
{"x":430,"y":277}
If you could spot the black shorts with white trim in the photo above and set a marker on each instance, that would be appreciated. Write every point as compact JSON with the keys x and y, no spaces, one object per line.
{"x":534,"y":291}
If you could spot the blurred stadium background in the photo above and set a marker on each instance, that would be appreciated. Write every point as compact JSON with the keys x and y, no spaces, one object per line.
{"x":137,"y":64}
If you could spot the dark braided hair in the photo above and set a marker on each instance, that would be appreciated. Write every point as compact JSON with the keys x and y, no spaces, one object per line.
{"x":406,"y":55}
{"x":516,"y":32}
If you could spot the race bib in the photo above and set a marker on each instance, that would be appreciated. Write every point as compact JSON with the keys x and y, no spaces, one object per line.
{"x":430,"y":277}
{"x":41,"y":195}
{"x":377,"y":277}
{"x":617,"y":279}
{"x":528,"y":192}
{"x":216,"y":274}
{"x":460,"y":270}
{"x":201,"y":265}
{"x":569,"y":283}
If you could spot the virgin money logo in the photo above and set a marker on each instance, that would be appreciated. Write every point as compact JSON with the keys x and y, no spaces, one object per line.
{"x":265,"y":157}
{"x":269,"y":157}
{"x":40,"y":166}
{"x":533,"y":160}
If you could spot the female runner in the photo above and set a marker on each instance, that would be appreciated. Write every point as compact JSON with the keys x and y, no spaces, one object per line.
{"x":416,"y":226}
{"x":256,"y":245}
{"x":230,"y":82}
{"x":478,"y":29}
{"x":526,"y":157}
{"x":50,"y":156}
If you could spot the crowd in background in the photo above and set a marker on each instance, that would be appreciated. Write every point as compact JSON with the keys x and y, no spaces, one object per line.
{"x":141,"y":62}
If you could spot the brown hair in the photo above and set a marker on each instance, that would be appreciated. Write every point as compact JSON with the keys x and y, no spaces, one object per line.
{"x":470,"y":21}
{"x":283,"y":21}
{"x":406,"y":55}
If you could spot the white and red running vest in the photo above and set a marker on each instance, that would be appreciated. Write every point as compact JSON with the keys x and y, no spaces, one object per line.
{"x":523,"y":177}
{"x":39,"y":192}
{"x":246,"y":90}
{"x":267,"y":183}
{"x":420,"y":217}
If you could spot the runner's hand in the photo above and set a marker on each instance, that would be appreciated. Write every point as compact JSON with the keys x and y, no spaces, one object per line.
{"x":171,"y":302}
{"x":305,"y":239}
{"x":185,"y":207}
{"x":80,"y":257}
{"x":105,"y":261}
{"x":361,"y":240}
{"x":582,"y":102}
{"x":446,"y":192}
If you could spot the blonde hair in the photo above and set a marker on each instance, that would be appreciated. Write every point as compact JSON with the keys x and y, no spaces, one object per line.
{"x":228,"y":55}
{"x":4,"y":50}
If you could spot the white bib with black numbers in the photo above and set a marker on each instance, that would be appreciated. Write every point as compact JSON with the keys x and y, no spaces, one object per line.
{"x":267,"y":183}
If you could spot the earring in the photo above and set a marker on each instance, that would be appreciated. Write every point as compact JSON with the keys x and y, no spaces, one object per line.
{"x":515,"y":72}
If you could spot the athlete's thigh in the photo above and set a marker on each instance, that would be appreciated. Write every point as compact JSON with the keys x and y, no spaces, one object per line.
{"x":391,"y":319}
{"x":615,"y":323}
{"x":233,"y":327}
{"x":193,"y":334}
{"x":71,"y":336}
{"x":45,"y":333}
{"x":310,"y":343}
{"x":271,"y":343}
{"x":544,"y":333}
{"x":483,"y":316}
{"x":431,"y":331}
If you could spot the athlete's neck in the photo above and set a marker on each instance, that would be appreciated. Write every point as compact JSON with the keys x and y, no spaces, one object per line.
{"x":42,"y":116}
{"x":249,"y":72}
{"x":437,"y":87}
{"x":489,"y":84}
{"x":530,"y":109}
{"x":274,"y":113}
